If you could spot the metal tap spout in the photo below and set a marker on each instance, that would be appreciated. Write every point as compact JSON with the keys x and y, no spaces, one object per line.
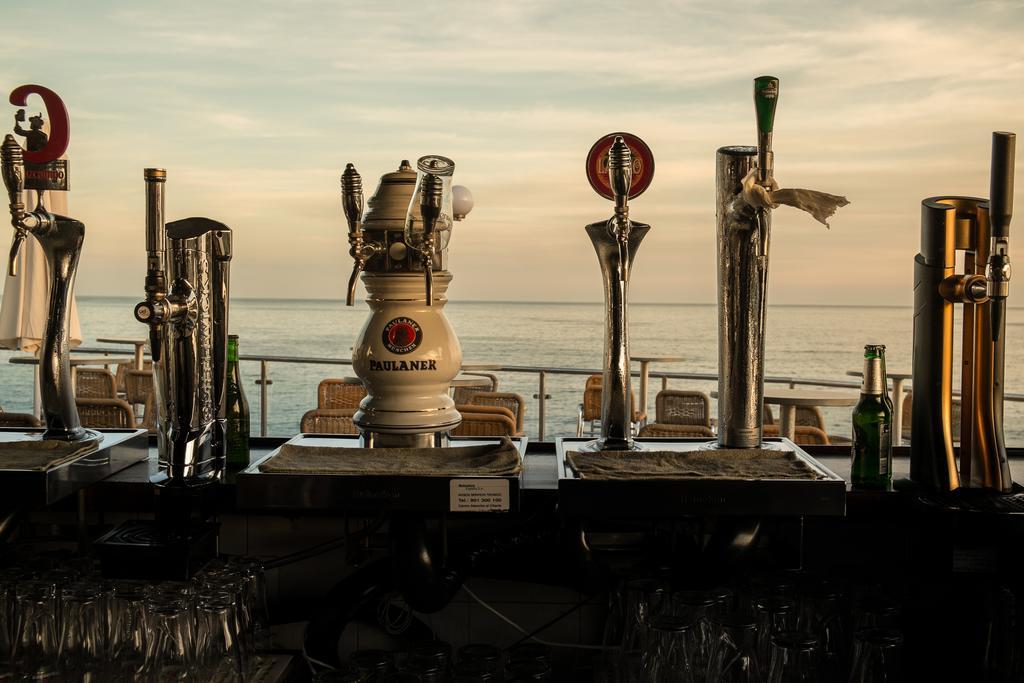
{"x":1000,"y":212}
{"x":13,"y":163}
{"x":431,"y":196}
{"x":352,"y":204}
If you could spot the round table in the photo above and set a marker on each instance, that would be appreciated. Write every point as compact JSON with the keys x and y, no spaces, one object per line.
{"x":788,"y":399}
{"x":898,"y":379}
{"x":645,"y":366}
{"x":140,"y":347}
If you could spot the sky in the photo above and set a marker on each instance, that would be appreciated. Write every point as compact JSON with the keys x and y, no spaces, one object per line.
{"x":255,"y":107}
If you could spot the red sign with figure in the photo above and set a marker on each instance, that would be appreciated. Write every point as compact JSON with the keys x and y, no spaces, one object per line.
{"x":44,"y":169}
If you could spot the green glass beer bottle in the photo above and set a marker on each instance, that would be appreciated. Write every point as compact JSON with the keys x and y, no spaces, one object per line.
{"x":872,"y":426}
{"x":237,"y":455}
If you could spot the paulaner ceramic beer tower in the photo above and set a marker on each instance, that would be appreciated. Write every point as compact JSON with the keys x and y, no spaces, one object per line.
{"x":407,"y":352}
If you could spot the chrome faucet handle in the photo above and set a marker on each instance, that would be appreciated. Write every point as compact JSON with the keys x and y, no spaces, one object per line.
{"x":352,"y":205}
{"x":1000,"y":212}
{"x":431,"y":199}
{"x":13,"y":164}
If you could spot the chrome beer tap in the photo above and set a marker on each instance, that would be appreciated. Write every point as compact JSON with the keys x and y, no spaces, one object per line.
{"x":61,"y":240}
{"x":186,"y":308}
{"x":616,"y":242}
{"x":352,"y":205}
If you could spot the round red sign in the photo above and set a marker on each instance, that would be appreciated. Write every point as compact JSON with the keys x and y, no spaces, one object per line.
{"x":597,"y":165}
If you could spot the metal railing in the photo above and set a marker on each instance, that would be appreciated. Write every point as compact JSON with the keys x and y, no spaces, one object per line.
{"x":542,"y":372}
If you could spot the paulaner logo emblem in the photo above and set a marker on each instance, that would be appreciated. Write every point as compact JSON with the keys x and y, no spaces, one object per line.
{"x":402,"y":335}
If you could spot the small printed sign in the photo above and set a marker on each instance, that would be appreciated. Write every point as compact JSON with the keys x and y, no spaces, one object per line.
{"x":402,"y":335}
{"x":597,"y":165}
{"x":478,"y":495}
{"x":52,"y":175}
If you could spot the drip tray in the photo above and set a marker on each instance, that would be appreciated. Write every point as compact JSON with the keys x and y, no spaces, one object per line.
{"x":664,"y":496}
{"x":257,"y":490}
{"x":117,"y":449}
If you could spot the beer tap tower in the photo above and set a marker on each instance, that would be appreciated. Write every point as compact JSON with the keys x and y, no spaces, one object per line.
{"x":744,"y":235}
{"x":407,"y":352}
{"x":186,"y":307}
{"x":61,"y":239}
{"x":980,"y":229}
{"x":616,"y":241}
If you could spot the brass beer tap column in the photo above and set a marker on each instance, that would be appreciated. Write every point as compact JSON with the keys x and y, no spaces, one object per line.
{"x":61,"y":240}
{"x":979,"y":228}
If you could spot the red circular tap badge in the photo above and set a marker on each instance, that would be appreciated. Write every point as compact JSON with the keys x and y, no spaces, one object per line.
{"x":597,"y":165}
{"x":402,"y":335}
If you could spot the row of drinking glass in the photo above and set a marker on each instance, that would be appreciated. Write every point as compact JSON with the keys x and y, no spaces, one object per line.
{"x":433,"y":663}
{"x":77,"y":626}
{"x":764,"y":633}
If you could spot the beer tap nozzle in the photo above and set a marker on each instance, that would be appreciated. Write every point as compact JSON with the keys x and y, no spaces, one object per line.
{"x":352,"y":204}
{"x":620,"y":177}
{"x":430,"y":208}
{"x":13,"y":162}
{"x":155,"y":310}
{"x":1000,"y":212}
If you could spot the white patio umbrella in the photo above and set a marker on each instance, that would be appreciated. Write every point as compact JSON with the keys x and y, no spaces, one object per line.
{"x":23,"y":312}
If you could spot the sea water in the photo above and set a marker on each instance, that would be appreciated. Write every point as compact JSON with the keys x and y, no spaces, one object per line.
{"x":809,"y":342}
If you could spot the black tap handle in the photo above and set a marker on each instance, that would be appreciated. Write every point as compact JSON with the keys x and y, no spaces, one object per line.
{"x":1000,"y":200}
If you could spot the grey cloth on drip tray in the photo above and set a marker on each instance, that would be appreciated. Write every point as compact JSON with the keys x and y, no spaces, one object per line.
{"x":39,"y":455}
{"x":736,"y":464}
{"x":499,"y":460}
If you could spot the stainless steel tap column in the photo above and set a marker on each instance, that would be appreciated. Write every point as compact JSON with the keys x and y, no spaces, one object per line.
{"x":187,"y":311}
{"x":616,"y":242}
{"x":61,"y":240}
{"x":743,"y":234}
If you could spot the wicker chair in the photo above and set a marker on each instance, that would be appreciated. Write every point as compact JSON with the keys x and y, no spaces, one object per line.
{"x":335,"y":394}
{"x":328,"y":421}
{"x":95,"y":383}
{"x":138,"y":387}
{"x":123,"y":368}
{"x":671,"y":430}
{"x":514,"y":402}
{"x":17,"y":420}
{"x":464,"y":395}
{"x":485,"y":421}
{"x":682,"y":408}
{"x":105,"y":412}
{"x":804,"y":435}
{"x":810,"y":416}
{"x":590,"y":410}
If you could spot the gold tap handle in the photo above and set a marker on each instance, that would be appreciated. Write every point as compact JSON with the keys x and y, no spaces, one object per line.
{"x":352,"y":204}
{"x":13,"y":164}
{"x":620,"y":178}
{"x":430,"y":208}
